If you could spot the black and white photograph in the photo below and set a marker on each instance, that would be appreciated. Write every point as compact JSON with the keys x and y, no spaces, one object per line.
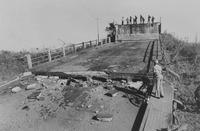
{"x":99,"y":65}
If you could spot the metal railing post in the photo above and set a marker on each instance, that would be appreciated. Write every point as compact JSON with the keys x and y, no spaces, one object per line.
{"x":49,"y":55}
{"x":63,"y":49}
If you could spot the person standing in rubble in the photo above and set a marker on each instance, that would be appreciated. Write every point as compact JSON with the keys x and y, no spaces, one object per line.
{"x":197,"y":97}
{"x":159,"y":80}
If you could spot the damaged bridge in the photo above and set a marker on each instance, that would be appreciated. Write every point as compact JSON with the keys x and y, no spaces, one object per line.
{"x":109,"y":87}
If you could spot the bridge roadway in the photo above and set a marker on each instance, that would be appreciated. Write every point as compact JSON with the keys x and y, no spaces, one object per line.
{"x":158,"y":113}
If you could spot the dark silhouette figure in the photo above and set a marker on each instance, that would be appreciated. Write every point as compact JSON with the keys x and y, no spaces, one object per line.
{"x":135,"y":20}
{"x":130,"y":20}
{"x":127,"y":20}
{"x":142,"y":20}
{"x":152,"y":20}
{"x":122,"y":20}
{"x":149,"y":19}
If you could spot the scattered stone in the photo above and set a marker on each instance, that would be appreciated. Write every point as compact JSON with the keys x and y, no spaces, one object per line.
{"x":25,"y":108}
{"x":102,"y":106}
{"x":112,"y":66}
{"x":31,"y":86}
{"x":82,"y":105}
{"x":109,"y":86}
{"x":89,"y":106}
{"x":96,"y":111}
{"x":112,"y":93}
{"x":27,"y":74}
{"x":135,"y":85}
{"x":123,"y":81}
{"x":54,"y":77}
{"x":34,"y":95}
{"x":16,"y":89}
{"x":41,"y":98}
{"x":44,"y":85}
{"x":92,"y":123}
{"x":38,"y":78}
{"x":105,"y":117}
{"x":85,"y":85}
{"x":43,"y":77}
{"x":70,"y":104}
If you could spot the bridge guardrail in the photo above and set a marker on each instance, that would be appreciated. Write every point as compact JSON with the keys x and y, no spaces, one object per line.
{"x":49,"y":55}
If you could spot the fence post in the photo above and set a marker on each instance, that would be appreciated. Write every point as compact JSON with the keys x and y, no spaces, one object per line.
{"x":83,"y":45}
{"x":74,"y":48}
{"x":99,"y":42}
{"x":49,"y":54}
{"x":109,"y":39}
{"x":63,"y":51}
{"x":29,"y":62}
{"x":90,"y":43}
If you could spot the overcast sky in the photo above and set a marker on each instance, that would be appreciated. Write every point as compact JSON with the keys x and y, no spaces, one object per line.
{"x":26,"y":24}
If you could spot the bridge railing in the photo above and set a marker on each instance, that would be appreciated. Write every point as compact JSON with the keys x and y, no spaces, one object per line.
{"x":50,"y":55}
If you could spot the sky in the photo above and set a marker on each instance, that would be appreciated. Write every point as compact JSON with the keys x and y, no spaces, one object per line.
{"x":29,"y":24}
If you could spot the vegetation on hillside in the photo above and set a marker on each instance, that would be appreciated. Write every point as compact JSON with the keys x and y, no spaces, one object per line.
{"x":11,"y":64}
{"x":184,"y":60}
{"x":111,"y":30}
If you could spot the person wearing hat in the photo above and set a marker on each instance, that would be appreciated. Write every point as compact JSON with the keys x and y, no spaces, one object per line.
{"x":159,"y":80}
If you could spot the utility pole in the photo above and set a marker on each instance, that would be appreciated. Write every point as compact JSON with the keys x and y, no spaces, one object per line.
{"x":97,"y":30}
{"x":196,"y":38}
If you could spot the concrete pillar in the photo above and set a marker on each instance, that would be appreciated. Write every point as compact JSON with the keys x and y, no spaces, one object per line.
{"x":29,"y":62}
{"x":63,"y":51}
{"x":90,"y":43}
{"x":97,"y":42}
{"x":49,"y":55}
{"x":74,"y":48}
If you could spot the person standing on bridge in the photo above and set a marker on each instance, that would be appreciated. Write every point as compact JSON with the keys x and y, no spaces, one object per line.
{"x":122,"y":20}
{"x":159,"y":80}
{"x":149,"y":19}
{"x":197,"y":97}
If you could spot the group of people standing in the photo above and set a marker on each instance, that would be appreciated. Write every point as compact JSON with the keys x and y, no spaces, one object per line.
{"x":133,"y":20}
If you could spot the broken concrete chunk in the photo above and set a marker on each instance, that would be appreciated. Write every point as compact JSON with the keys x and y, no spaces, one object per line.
{"x":85,"y":85}
{"x":54,"y":77}
{"x":34,"y":95}
{"x":25,"y":108}
{"x":135,"y":85}
{"x":16,"y":89}
{"x":112,"y":93}
{"x":43,"y":77}
{"x":27,"y":74}
{"x":31,"y":86}
{"x":104,"y":117}
{"x":89,"y":106}
{"x":38,"y":78}
{"x":109,"y":86}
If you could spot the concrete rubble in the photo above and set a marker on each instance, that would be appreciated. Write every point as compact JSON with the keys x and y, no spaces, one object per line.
{"x":31,"y":86}
{"x":16,"y":89}
{"x":105,"y":117}
{"x":70,"y":92}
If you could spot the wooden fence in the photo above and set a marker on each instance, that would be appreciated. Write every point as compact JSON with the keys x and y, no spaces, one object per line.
{"x":50,"y":55}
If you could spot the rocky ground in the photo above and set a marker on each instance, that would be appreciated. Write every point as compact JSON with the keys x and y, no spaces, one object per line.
{"x":50,"y":103}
